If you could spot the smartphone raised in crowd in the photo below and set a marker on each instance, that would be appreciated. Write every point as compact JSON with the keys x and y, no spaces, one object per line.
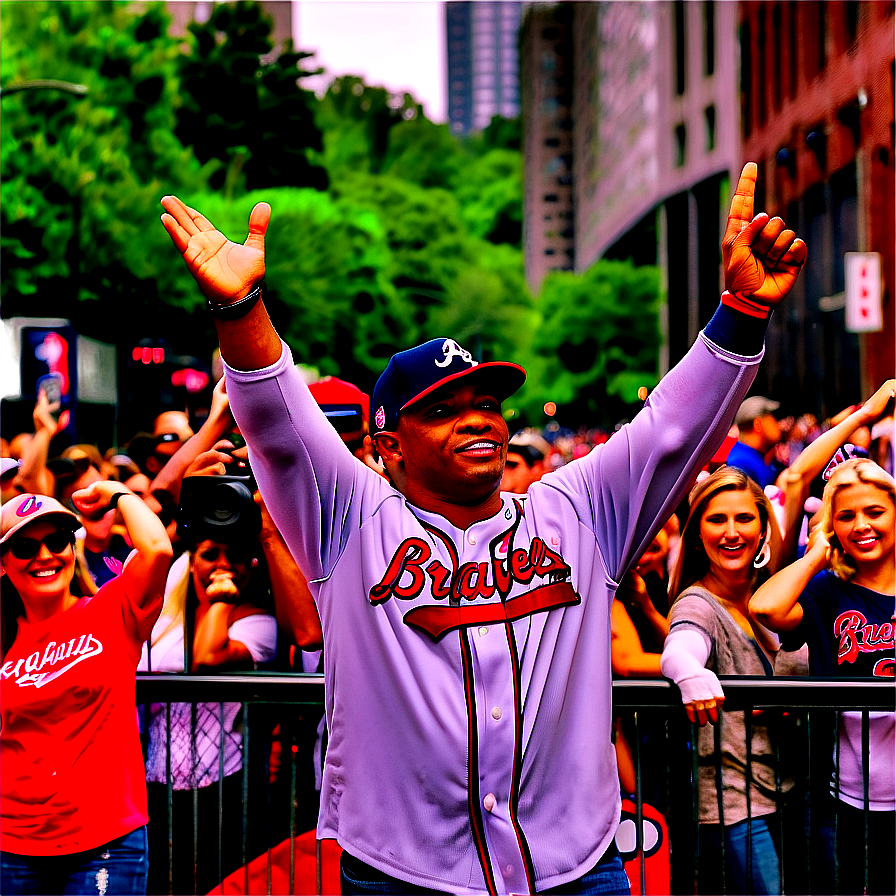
{"x":51,"y":386}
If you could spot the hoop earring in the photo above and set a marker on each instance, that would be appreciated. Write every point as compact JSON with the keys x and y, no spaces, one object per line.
{"x":764,"y":555}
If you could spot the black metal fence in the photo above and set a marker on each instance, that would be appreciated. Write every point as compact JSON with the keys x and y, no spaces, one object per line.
{"x":660,"y":839}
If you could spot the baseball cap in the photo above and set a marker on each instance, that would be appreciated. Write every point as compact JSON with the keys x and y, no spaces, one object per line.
{"x":75,"y":460}
{"x":530,"y":446}
{"x":413,"y":374}
{"x":344,"y":404}
{"x":754,"y":407}
{"x":25,"y":509}
{"x":8,"y":464}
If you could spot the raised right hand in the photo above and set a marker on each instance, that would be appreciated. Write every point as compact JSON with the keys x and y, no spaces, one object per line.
{"x":876,"y":405}
{"x":225,"y":271}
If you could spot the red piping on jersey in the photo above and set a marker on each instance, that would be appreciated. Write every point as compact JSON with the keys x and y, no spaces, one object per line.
{"x":473,"y":801}
{"x":518,"y":760}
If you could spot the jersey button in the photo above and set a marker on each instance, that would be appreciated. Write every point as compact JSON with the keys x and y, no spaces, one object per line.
{"x":471,"y":539}
{"x":489,"y":802}
{"x":483,"y":630}
{"x":496,"y":713}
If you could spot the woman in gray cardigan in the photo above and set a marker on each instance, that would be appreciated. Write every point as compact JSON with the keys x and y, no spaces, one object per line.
{"x":728,"y":537}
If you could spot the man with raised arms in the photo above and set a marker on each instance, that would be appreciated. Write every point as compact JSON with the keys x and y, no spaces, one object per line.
{"x":466,"y":631}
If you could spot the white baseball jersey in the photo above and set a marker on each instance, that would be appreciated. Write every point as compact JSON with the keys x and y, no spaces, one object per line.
{"x":468,"y":682}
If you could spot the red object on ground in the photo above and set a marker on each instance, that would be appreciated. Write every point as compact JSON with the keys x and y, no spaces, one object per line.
{"x":656,"y":861}
{"x":306,"y":870}
{"x":657,"y":876}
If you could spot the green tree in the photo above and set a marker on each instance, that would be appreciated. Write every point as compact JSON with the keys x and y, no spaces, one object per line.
{"x":75,"y":170}
{"x":356,"y":120}
{"x":244,"y":110}
{"x":595,"y":341}
{"x":491,"y":196}
{"x":424,"y":153}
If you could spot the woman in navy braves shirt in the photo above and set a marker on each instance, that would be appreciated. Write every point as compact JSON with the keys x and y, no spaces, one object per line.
{"x":72,"y":791}
{"x":839,"y":599}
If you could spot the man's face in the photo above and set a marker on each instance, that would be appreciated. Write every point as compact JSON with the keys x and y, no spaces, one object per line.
{"x":771,"y":429}
{"x":517,"y":474}
{"x":454,"y":443}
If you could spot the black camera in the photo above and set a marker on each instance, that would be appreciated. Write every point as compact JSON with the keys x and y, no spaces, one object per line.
{"x":219,"y":508}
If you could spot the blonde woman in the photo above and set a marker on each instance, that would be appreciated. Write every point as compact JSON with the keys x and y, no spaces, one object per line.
{"x":728,"y":537}
{"x":839,"y":599}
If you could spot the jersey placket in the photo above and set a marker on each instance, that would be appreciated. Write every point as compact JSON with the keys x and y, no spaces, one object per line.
{"x":495,"y":686}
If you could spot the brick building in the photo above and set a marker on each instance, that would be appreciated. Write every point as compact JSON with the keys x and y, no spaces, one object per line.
{"x":817,"y":113}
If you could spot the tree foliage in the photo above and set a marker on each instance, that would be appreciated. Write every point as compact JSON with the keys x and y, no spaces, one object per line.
{"x":386,"y":230}
{"x":245,"y":110}
{"x":75,"y":170}
{"x":597,"y":338}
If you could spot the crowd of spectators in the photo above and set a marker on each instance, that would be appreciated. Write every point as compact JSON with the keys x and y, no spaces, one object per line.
{"x":235,"y":599}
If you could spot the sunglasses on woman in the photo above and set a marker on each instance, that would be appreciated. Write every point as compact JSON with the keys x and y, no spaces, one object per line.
{"x":25,"y":548}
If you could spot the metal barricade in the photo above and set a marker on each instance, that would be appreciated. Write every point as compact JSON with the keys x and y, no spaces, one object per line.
{"x":664,"y":804}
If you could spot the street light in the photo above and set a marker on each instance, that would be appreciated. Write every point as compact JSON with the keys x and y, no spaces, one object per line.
{"x":45,"y":84}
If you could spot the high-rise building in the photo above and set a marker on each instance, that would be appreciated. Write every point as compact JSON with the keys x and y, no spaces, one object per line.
{"x":669,"y":100}
{"x":483,"y":59}
{"x":547,"y":85}
{"x":652,"y":142}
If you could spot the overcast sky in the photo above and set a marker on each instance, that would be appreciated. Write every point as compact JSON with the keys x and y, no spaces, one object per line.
{"x":397,"y":44}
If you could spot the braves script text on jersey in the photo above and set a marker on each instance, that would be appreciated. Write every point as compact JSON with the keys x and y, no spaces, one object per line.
{"x":468,"y":671}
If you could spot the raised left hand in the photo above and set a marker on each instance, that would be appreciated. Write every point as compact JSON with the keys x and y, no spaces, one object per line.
{"x":761,"y":257}
{"x":93,"y":502}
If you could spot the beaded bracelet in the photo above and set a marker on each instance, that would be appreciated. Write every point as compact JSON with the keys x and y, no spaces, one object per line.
{"x":238,"y":309}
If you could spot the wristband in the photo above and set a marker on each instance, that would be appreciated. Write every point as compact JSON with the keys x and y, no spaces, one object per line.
{"x":740,"y":302}
{"x":238,"y":309}
{"x":113,"y":501}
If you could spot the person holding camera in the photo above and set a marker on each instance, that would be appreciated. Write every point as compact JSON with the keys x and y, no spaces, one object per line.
{"x":73,"y":808}
{"x":216,"y":617}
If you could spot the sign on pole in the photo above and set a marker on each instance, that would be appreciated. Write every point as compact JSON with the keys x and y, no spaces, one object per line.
{"x":864,"y":292}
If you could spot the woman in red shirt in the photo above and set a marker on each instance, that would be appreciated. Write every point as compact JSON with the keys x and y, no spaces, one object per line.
{"x":72,"y":792}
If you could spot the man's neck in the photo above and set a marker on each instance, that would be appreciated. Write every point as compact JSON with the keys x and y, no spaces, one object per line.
{"x":756,"y":443}
{"x":461,"y":516}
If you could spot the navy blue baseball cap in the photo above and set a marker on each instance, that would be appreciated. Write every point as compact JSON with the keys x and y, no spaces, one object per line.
{"x":413,"y":374}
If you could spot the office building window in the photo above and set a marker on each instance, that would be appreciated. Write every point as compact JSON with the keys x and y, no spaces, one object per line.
{"x":746,"y":80}
{"x":680,"y":145}
{"x":709,"y":118}
{"x":761,"y":68}
{"x":851,"y":9}
{"x":680,"y":47}
{"x":777,"y":56}
{"x":709,"y":37}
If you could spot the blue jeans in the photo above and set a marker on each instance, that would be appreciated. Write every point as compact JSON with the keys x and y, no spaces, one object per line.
{"x":838,"y":848}
{"x":116,"y":869}
{"x":765,"y":877}
{"x":606,"y":878}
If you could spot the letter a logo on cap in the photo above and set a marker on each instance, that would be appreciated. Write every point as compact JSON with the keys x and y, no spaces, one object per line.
{"x":450,"y":349}
{"x":32,"y":505}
